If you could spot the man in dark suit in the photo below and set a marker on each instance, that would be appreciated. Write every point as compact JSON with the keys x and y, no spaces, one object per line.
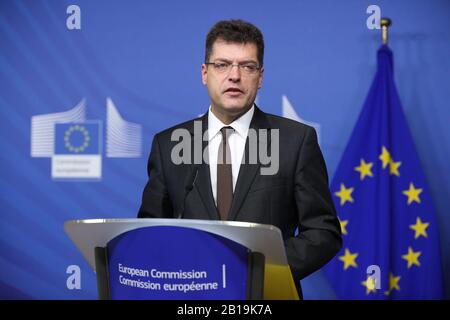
{"x":287,"y":185}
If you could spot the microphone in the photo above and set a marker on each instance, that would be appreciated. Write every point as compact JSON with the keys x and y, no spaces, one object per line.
{"x":188,"y":186}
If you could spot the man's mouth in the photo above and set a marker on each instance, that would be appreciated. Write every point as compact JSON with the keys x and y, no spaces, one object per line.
{"x":233,"y":91}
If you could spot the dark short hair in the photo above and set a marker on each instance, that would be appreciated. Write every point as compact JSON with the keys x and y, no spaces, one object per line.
{"x":237,"y":31}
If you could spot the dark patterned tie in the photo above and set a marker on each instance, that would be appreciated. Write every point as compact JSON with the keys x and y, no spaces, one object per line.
{"x":224,"y":175}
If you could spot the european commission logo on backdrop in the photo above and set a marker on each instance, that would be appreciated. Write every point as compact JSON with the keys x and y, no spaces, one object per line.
{"x":74,"y":144}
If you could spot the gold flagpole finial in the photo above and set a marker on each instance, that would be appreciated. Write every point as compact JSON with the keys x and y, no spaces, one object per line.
{"x":385,"y":23}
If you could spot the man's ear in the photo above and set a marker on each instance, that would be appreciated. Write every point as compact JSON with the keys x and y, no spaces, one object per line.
{"x":260,"y":78}
{"x":204,"y":74}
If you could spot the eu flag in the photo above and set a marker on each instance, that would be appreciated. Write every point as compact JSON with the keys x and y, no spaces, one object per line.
{"x":77,"y":138}
{"x":390,"y":232}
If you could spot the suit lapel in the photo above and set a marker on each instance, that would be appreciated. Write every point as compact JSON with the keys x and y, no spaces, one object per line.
{"x":203,"y":182}
{"x":247,"y":171}
{"x":204,"y":189}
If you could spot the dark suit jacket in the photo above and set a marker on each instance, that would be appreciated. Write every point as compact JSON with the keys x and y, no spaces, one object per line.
{"x":296,"y":197}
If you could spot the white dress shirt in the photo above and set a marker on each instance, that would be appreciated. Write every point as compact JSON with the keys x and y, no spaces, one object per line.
{"x":236,"y":141}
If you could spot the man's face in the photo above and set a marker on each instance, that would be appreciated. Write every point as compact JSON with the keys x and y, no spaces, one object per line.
{"x":232,"y":93}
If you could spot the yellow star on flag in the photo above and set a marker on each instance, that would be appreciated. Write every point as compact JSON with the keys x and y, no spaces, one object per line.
{"x":349,"y":259}
{"x":412,"y":257}
{"x":385,"y":157}
{"x":370,"y":285}
{"x":393,"y":168}
{"x":344,"y":194}
{"x":420,"y":228}
{"x":393,"y":283}
{"x":343,"y":225}
{"x":412,"y":193}
{"x":364,"y":169}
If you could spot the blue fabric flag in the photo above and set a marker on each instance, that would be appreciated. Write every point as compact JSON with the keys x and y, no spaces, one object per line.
{"x":389,"y":227}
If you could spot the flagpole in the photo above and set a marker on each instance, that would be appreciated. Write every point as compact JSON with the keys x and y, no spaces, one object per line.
{"x":385,"y":23}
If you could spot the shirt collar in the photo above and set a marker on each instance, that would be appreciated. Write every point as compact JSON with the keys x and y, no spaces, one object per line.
{"x":240,"y":125}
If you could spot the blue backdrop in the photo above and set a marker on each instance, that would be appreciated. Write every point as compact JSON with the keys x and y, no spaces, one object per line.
{"x":133,"y":69}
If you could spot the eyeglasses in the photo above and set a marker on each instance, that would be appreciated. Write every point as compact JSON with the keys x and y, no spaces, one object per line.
{"x":249,"y":68}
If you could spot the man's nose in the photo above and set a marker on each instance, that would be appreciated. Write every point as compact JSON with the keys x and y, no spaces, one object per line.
{"x":235,"y":73}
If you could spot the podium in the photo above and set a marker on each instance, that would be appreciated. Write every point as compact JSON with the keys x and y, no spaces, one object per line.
{"x":124,"y":248}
